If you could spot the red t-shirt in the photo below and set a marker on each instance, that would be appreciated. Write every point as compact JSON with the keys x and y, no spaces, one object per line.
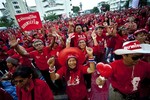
{"x":101,"y":42}
{"x":76,"y":88}
{"x":41,"y":91}
{"x":41,"y":58}
{"x":76,"y":38}
{"x":126,"y":79}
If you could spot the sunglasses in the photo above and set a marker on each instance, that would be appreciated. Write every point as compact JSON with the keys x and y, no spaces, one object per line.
{"x":17,"y":81}
{"x":137,"y":57}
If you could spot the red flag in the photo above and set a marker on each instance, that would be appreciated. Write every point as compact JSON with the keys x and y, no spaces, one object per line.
{"x":29,"y":21}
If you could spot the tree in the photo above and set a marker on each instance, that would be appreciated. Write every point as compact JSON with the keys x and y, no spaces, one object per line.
{"x":126,"y":5}
{"x":141,"y":3}
{"x":75,"y":9}
{"x":51,"y":17}
{"x":4,"y":21}
{"x":95,"y":10}
{"x":105,"y":7}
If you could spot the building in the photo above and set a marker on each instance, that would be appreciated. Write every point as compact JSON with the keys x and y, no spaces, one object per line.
{"x":99,"y":5}
{"x":119,"y":4}
{"x":58,"y":7}
{"x":116,"y":4}
{"x":14,"y":7}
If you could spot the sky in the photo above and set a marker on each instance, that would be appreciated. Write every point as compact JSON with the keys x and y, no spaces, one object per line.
{"x":86,"y":4}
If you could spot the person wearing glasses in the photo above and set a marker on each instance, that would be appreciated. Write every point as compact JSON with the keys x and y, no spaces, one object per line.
{"x":29,"y":87}
{"x":40,"y":56}
{"x":128,"y":72}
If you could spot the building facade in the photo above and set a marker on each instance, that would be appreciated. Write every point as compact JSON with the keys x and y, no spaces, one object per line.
{"x":58,"y":7}
{"x":14,"y":7}
{"x":116,"y":4}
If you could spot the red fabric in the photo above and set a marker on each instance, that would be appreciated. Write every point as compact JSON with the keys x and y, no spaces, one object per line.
{"x":76,"y":38}
{"x":41,"y":58}
{"x":132,"y":45}
{"x":29,"y":21}
{"x":119,"y":41}
{"x":96,"y":92}
{"x":41,"y":91}
{"x":4,"y":95}
{"x":76,"y":88}
{"x":122,"y":75}
{"x":101,"y":42}
{"x":110,"y":41}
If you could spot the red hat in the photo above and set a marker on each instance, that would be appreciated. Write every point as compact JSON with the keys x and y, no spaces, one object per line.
{"x":79,"y":39}
{"x":71,"y":52}
{"x":140,"y":31}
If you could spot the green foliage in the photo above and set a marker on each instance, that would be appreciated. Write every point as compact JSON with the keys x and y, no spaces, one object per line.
{"x":142,"y":3}
{"x":105,"y":7}
{"x":75,"y":9}
{"x":51,"y":17}
{"x":126,"y":5}
{"x":5,"y":22}
{"x":95,"y":10}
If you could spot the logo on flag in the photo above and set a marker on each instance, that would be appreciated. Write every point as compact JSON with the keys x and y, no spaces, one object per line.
{"x":29,"y":21}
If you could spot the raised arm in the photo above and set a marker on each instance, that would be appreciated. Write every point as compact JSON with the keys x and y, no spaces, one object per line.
{"x":52,"y":69}
{"x":89,"y":51}
{"x":13,"y":42}
{"x":94,"y":38}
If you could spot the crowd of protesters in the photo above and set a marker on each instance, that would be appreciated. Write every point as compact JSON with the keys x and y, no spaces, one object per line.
{"x":99,"y":34}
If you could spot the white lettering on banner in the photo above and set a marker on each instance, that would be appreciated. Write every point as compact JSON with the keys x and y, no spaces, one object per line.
{"x":27,"y":18}
{"x":132,"y":46}
{"x":135,"y":83}
{"x":29,"y":22}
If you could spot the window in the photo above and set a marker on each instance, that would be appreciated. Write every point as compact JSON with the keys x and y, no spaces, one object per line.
{"x":18,"y":11}
{"x":15,"y":2}
{"x":16,"y":7}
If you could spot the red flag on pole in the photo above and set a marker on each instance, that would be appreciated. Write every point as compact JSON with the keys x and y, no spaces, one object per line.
{"x":29,"y":21}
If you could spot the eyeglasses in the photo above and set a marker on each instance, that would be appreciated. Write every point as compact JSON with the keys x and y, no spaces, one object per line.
{"x":39,"y":44}
{"x":137,"y":57}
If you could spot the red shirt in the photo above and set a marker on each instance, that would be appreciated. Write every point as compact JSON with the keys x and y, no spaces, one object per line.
{"x":41,"y":91}
{"x":76,"y":38}
{"x":76,"y":88}
{"x":110,"y":41}
{"x":126,"y":79}
{"x":101,"y":43}
{"x":41,"y":58}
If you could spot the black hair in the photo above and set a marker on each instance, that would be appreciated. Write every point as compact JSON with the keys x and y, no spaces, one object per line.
{"x":25,"y":72}
{"x":76,"y":26}
{"x":85,"y":26}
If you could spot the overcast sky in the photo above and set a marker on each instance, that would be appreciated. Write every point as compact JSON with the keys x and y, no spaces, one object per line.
{"x":86,"y":4}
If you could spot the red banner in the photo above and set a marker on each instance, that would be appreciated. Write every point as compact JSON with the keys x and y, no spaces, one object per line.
{"x":29,"y":21}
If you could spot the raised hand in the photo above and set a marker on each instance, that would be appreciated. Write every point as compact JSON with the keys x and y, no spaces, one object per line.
{"x":93,"y":35}
{"x":51,"y":62}
{"x":89,"y":51}
{"x":12,"y":40}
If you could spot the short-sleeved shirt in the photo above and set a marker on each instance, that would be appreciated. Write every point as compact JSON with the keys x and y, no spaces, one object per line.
{"x":127,"y":79}
{"x":41,"y":58}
